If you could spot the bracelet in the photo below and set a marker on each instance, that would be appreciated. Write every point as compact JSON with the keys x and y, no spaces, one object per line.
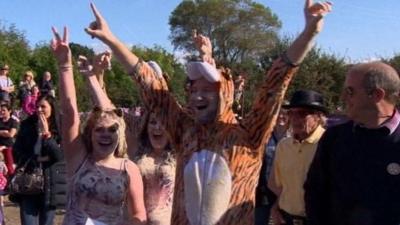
{"x":65,"y":67}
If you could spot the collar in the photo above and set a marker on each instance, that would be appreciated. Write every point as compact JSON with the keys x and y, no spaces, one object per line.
{"x":386,"y":128}
{"x":392,"y":123}
{"x":314,"y":137}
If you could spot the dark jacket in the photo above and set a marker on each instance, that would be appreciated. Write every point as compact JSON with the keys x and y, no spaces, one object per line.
{"x":350,"y":181}
{"x":46,"y":87}
{"x":54,"y":169}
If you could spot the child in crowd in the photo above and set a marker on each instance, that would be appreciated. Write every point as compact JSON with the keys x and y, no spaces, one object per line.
{"x":29,"y":103}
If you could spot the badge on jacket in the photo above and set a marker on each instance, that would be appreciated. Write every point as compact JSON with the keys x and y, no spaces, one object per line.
{"x":393,"y":169}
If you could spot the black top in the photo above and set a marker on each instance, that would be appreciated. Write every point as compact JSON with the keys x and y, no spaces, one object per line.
{"x":354,"y":178}
{"x":46,"y":87}
{"x":54,"y":169}
{"x":8,"y":125}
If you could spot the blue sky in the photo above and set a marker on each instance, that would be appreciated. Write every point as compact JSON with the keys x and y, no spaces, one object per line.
{"x":356,"y":29}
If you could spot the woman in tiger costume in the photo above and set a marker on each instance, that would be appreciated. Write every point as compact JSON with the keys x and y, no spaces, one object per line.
{"x":218,"y":158}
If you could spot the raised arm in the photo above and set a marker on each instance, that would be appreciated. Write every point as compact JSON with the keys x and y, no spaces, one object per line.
{"x":153,"y":88}
{"x":72,"y":145}
{"x":92,"y":74}
{"x":100,"y":29}
{"x":204,"y":47}
{"x":261,"y":119}
{"x":314,"y":14}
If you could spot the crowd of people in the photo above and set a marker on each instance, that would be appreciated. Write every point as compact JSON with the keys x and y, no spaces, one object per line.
{"x":165,"y":164}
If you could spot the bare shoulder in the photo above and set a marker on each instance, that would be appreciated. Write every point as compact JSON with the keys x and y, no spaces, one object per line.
{"x":131,"y":167}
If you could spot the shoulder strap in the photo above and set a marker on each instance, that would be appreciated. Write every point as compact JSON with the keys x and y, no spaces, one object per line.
{"x":81,"y":166}
{"x":124,"y":165}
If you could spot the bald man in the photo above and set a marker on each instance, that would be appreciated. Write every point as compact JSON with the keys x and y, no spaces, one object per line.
{"x":354,"y":178}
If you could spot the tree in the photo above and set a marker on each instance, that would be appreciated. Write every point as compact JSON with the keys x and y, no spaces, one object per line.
{"x":14,"y":50}
{"x":319,"y":71}
{"x":239,"y":29}
{"x":77,"y":49}
{"x":42,"y":60}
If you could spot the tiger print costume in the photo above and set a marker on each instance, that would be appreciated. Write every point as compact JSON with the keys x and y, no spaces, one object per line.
{"x":218,"y":164}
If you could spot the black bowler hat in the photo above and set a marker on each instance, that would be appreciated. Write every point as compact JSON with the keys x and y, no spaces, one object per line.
{"x":307,"y":99}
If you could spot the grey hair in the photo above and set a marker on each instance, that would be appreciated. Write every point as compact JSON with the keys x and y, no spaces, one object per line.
{"x":380,"y":75}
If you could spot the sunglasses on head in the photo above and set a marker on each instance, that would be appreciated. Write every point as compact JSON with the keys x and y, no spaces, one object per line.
{"x":117,"y":111}
{"x":112,"y":129}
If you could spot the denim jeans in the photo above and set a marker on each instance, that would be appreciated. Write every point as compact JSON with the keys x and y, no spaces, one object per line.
{"x":34,"y":212}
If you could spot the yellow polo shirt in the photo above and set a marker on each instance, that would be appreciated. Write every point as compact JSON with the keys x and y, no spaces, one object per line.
{"x":291,"y":164}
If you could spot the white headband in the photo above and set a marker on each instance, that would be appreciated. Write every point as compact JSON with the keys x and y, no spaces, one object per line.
{"x":196,"y":70}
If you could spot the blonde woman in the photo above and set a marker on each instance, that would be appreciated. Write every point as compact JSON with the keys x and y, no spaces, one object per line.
{"x":26,"y":85}
{"x":101,"y":183}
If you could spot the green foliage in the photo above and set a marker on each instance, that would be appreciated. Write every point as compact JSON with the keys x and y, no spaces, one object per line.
{"x":77,"y":49}
{"x":42,"y":60}
{"x":395,"y":62}
{"x":120,"y":86}
{"x":319,"y":71}
{"x":239,"y":29}
{"x":14,"y":50}
{"x":244,"y":38}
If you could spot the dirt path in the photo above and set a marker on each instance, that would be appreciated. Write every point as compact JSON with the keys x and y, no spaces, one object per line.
{"x":11,"y":212}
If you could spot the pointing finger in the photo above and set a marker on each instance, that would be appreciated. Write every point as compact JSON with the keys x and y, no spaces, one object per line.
{"x":65,"y":37}
{"x":96,"y":13}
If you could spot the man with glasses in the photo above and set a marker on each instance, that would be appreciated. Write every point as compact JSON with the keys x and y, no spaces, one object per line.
{"x":354,"y":178}
{"x":6,"y":84}
{"x":294,"y":155}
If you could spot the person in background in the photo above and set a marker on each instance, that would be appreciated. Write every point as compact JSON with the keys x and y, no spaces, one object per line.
{"x":265,"y":198}
{"x":38,"y":141}
{"x":29,"y":103}
{"x":8,"y":130}
{"x":337,"y":117}
{"x":25,"y":86}
{"x":46,"y":85}
{"x":354,"y":178}
{"x":149,"y":146}
{"x":104,"y":187}
{"x":294,"y":155}
{"x":155,"y":158}
{"x":6,"y":84}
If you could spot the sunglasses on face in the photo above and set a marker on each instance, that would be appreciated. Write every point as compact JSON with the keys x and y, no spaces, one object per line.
{"x":301,"y":113}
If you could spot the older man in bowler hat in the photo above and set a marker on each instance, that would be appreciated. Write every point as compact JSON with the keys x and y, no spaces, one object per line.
{"x":294,"y":155}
